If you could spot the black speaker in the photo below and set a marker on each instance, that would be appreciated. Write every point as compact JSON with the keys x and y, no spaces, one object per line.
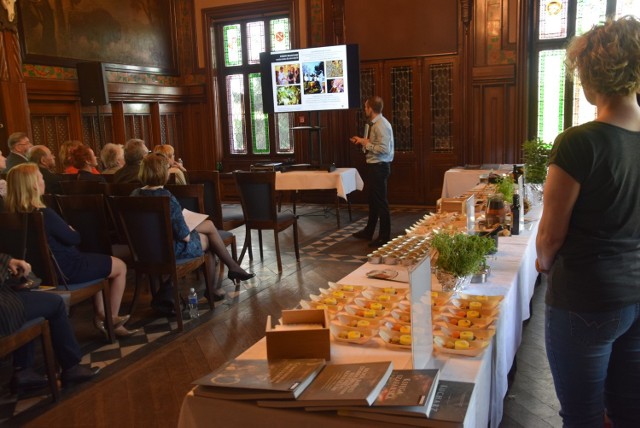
{"x":93,"y":84}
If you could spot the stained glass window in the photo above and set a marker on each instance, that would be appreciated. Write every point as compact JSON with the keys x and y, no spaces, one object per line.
{"x":232,"y":45}
{"x":280,"y":40}
{"x":235,"y":106}
{"x":442,"y":107}
{"x":627,"y":7}
{"x":551,"y":81}
{"x":259,"y":120}
{"x":590,"y":13}
{"x":553,"y":19}
{"x":583,"y":110}
{"x":283,"y":133}
{"x":255,"y":41}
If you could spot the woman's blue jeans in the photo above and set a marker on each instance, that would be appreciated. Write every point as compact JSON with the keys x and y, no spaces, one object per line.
{"x":595,"y":363}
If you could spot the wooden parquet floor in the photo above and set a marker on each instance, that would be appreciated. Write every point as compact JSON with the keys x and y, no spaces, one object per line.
{"x":146,"y":388}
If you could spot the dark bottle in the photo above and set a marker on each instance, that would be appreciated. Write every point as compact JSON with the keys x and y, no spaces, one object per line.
{"x":516,"y":214}
{"x":516,"y":173}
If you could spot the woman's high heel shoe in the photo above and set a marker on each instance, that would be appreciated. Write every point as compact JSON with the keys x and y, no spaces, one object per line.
{"x":118,"y":328}
{"x":236,"y":277}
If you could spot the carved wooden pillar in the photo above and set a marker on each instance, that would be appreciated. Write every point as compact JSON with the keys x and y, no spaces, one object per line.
{"x":14,"y":107}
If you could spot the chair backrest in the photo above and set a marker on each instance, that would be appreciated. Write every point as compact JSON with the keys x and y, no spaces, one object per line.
{"x":120,"y":189}
{"x":36,"y":251}
{"x":88,"y":215}
{"x":146,"y":221}
{"x":190,"y":196}
{"x":258,"y":196}
{"x":82,"y":187}
{"x":212,"y":199}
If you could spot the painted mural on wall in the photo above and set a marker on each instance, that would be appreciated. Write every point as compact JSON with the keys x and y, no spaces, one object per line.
{"x":118,"y":32}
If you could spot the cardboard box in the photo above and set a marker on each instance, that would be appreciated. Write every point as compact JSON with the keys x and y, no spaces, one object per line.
{"x":303,"y":343}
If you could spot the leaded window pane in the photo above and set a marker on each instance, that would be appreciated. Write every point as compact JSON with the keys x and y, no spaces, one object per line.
{"x":235,"y":101}
{"x":402,"y":107}
{"x":367,"y":89}
{"x":259,"y":119}
{"x":255,"y":41}
{"x":280,"y":34}
{"x":553,"y":19}
{"x":627,"y":7}
{"x":583,"y":110}
{"x":442,"y":107}
{"x":589,"y":13}
{"x":283,"y":133}
{"x":551,"y":81}
{"x":232,"y":45}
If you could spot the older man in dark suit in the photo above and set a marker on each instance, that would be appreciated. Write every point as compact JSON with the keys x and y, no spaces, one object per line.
{"x":19,"y":146}
{"x":46,"y":161}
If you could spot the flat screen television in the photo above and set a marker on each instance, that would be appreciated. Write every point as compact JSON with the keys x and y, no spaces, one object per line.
{"x":313,"y":79}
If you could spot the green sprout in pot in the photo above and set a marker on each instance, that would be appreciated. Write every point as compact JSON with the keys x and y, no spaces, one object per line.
{"x":536,"y":156}
{"x":505,"y":185}
{"x":461,"y":254}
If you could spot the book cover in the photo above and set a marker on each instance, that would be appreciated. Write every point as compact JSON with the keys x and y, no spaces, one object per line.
{"x":448,"y":410}
{"x":259,"y":379}
{"x":407,"y":392}
{"x":355,"y":384}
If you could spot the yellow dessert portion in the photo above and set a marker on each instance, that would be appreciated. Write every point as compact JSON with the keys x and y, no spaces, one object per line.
{"x":476,"y":306}
{"x":405,"y":339}
{"x":464,"y":323}
{"x":369,"y":313}
{"x":467,"y":335}
{"x":354,"y":335}
{"x":434,"y":294}
{"x":347,"y":287}
{"x":363,"y":323}
{"x":405,"y":329}
{"x":322,"y":306}
{"x":330,"y":300}
{"x":338,"y":294}
{"x":473,"y":314}
{"x":389,"y":291}
{"x":376,"y":306}
{"x":461,"y":344}
{"x":384,"y":297}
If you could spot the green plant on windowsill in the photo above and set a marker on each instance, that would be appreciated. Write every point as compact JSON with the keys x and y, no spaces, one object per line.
{"x":536,"y":156}
{"x":461,"y":254}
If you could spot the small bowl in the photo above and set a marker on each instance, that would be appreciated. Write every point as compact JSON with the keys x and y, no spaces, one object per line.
{"x":339,"y":332}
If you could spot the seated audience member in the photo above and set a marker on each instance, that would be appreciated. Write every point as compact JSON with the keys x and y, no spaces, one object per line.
{"x":64,"y":155}
{"x":18,"y":307}
{"x":112,"y":157}
{"x":25,"y":187}
{"x":19,"y":145}
{"x":154,"y":173}
{"x":174,"y":166}
{"x":134,"y":151}
{"x":85,"y":161}
{"x":3,"y":183}
{"x":46,"y":161}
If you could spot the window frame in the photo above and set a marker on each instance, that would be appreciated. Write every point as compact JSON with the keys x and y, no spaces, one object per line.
{"x":214,"y":20}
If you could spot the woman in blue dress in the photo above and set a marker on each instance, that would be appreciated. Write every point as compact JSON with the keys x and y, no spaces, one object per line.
{"x":154,"y":173}
{"x":25,"y":186}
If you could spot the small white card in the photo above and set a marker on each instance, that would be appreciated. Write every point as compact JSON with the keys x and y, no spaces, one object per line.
{"x":193,"y":219}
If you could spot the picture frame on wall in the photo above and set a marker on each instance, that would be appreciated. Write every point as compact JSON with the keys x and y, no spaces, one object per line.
{"x":126,"y":35}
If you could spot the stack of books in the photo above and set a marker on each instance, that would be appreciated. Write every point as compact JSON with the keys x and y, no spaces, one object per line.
{"x":371,"y":390}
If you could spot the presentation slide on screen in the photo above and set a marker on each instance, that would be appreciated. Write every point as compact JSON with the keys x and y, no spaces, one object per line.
{"x":310,"y":79}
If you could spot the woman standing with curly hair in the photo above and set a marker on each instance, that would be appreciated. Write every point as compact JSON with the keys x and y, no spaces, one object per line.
{"x":589,"y":237}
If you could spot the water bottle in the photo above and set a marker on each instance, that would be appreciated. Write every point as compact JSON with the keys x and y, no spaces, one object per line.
{"x":193,"y":304}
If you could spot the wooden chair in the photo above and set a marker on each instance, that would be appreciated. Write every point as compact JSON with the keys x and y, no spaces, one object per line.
{"x":30,"y":330}
{"x":14,"y":226}
{"x":260,"y":208}
{"x":120,"y":189}
{"x":191,"y":197}
{"x":223,"y":219}
{"x":147,"y":224}
{"x":82,"y":187}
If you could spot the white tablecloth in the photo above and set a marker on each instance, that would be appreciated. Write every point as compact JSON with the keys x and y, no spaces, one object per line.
{"x":459,"y":180}
{"x":344,"y":180}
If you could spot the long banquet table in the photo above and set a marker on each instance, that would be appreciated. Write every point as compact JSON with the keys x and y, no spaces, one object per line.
{"x":512,"y":275}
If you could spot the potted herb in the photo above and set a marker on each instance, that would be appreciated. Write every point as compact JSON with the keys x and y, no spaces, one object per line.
{"x":505,"y":185}
{"x":459,"y":256}
{"x":536,"y":157}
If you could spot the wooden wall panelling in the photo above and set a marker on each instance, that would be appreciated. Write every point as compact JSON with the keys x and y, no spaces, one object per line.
{"x":54,"y":123}
{"x":137,"y":122}
{"x":171,"y":128}
{"x":97,"y":131}
{"x":402,"y":95}
{"x":443,"y":127}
